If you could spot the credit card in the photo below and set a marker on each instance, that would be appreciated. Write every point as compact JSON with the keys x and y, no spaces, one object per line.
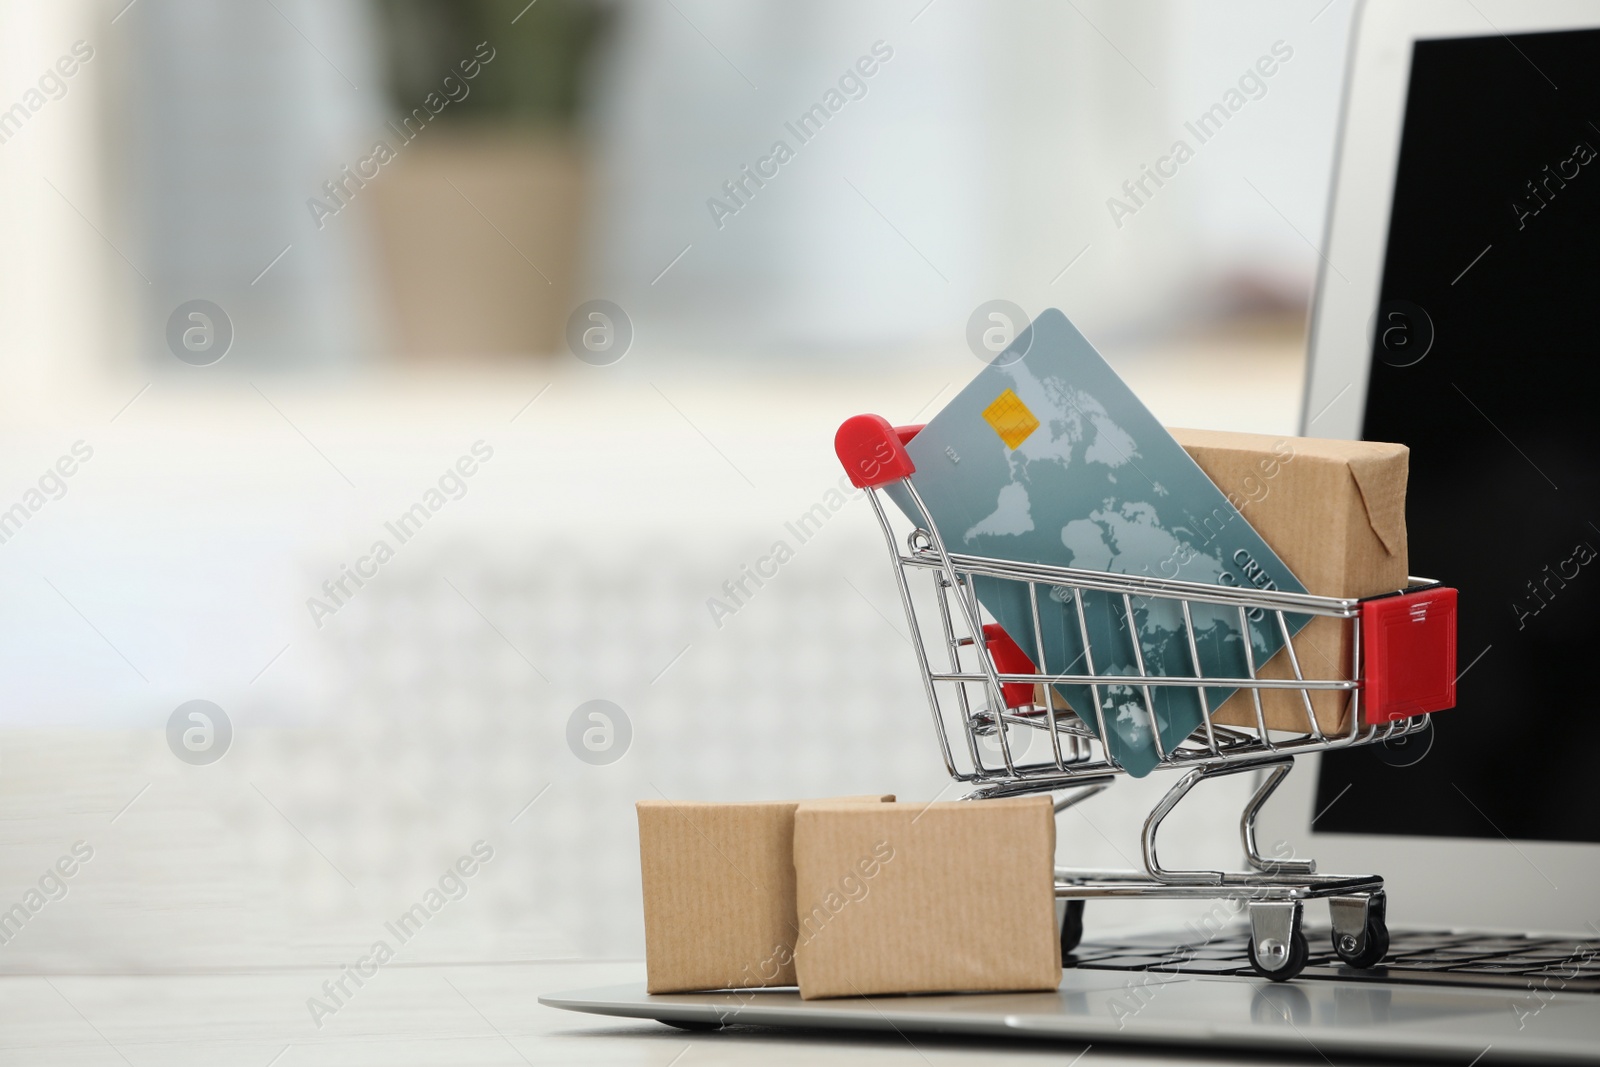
{"x":1048,"y":457}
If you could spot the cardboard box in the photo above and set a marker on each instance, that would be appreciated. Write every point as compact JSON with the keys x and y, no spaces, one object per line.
{"x":1334,"y":511}
{"x":719,"y":893}
{"x":926,"y":898}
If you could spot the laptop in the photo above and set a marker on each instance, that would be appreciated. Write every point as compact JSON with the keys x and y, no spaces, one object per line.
{"x":1452,"y":314}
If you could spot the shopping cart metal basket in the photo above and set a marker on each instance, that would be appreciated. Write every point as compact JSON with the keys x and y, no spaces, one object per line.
{"x":985,"y":694}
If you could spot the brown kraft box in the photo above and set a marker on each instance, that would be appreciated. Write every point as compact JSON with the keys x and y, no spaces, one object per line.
{"x":1334,"y":512}
{"x":926,"y":898}
{"x":719,"y":893}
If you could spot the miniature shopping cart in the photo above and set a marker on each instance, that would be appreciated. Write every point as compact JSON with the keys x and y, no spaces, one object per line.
{"x":985,"y":694}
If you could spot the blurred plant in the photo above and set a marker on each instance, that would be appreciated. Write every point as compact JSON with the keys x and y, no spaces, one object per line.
{"x":543,"y":57}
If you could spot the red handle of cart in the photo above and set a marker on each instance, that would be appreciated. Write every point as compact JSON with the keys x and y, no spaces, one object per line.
{"x":874,"y":452}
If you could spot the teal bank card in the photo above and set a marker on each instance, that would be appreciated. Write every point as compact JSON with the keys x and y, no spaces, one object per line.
{"x":1048,"y":457}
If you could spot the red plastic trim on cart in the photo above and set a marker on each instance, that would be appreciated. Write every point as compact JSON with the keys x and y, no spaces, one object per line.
{"x":1009,"y":659}
{"x":1408,"y":654}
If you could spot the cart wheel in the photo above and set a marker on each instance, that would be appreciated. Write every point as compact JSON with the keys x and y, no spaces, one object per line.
{"x":1071,"y":927}
{"x":694,"y":1025}
{"x":1292,"y":963}
{"x":1376,"y":945}
{"x":1366,"y":948}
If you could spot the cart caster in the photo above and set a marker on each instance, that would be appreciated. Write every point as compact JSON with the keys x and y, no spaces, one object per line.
{"x":692,"y":1025}
{"x":1071,"y":927}
{"x":1278,"y":948}
{"x":1360,"y":932}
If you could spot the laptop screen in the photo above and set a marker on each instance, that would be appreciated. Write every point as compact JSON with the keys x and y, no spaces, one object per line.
{"x":1485,"y":359}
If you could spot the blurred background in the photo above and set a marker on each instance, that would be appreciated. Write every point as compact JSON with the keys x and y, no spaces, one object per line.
{"x":398,"y":215}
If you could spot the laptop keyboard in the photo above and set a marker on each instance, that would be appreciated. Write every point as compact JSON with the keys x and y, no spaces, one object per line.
{"x":1431,"y":957}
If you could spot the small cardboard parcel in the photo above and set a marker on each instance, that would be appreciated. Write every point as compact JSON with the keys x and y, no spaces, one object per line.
{"x":1335,"y":513}
{"x":949,"y":897}
{"x":719,"y":896}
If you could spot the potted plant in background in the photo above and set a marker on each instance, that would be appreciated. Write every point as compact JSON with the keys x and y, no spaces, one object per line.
{"x":479,"y":216}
